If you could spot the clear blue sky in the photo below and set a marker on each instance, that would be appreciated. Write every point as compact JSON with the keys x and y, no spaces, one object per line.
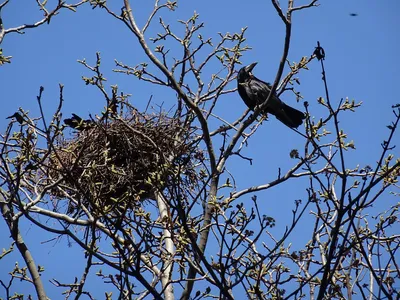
{"x":361,"y":63}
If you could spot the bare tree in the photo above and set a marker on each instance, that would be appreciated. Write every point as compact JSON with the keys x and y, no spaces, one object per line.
{"x":144,"y":193}
{"x":48,"y":14}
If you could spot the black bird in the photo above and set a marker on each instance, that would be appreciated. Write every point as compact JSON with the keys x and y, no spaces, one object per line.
{"x":78,"y":123}
{"x":255,"y":91}
{"x":319,"y":52}
{"x":18,"y":117}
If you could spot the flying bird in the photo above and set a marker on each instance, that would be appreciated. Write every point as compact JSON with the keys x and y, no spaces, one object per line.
{"x":78,"y":123}
{"x":255,"y":91}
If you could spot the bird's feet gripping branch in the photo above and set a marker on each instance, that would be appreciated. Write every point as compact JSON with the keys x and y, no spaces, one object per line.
{"x":255,"y":91}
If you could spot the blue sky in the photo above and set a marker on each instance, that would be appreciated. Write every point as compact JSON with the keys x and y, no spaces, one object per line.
{"x":361,"y":63}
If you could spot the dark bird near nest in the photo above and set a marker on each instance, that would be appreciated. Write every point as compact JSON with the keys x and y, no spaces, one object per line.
{"x":255,"y":91}
{"x":18,"y":117}
{"x":78,"y":123}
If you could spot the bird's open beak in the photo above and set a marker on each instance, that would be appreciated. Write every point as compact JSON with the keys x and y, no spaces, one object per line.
{"x":250,"y":67}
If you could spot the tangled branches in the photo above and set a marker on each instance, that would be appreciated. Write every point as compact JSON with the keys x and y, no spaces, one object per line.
{"x":119,"y":163}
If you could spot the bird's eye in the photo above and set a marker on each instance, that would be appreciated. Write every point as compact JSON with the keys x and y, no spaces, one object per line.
{"x":251,"y":74}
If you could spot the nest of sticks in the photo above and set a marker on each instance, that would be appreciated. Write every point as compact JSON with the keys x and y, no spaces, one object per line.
{"x":114,"y":165}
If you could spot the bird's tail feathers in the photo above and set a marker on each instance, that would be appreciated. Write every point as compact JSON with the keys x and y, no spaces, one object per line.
{"x":290,"y":116}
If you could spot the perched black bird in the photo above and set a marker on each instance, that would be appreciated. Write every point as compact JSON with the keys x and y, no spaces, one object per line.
{"x":319,"y":52}
{"x":78,"y":123}
{"x":255,"y":91}
{"x":18,"y":117}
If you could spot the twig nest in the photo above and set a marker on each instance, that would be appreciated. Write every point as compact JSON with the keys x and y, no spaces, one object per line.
{"x":115,"y":164}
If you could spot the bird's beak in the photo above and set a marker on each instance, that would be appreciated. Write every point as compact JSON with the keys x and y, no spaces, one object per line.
{"x":250,"y":67}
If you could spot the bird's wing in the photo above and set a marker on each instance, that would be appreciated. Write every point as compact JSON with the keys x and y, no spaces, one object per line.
{"x":258,"y":91}
{"x":283,"y":112}
{"x":76,"y":117}
{"x":244,"y":95}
